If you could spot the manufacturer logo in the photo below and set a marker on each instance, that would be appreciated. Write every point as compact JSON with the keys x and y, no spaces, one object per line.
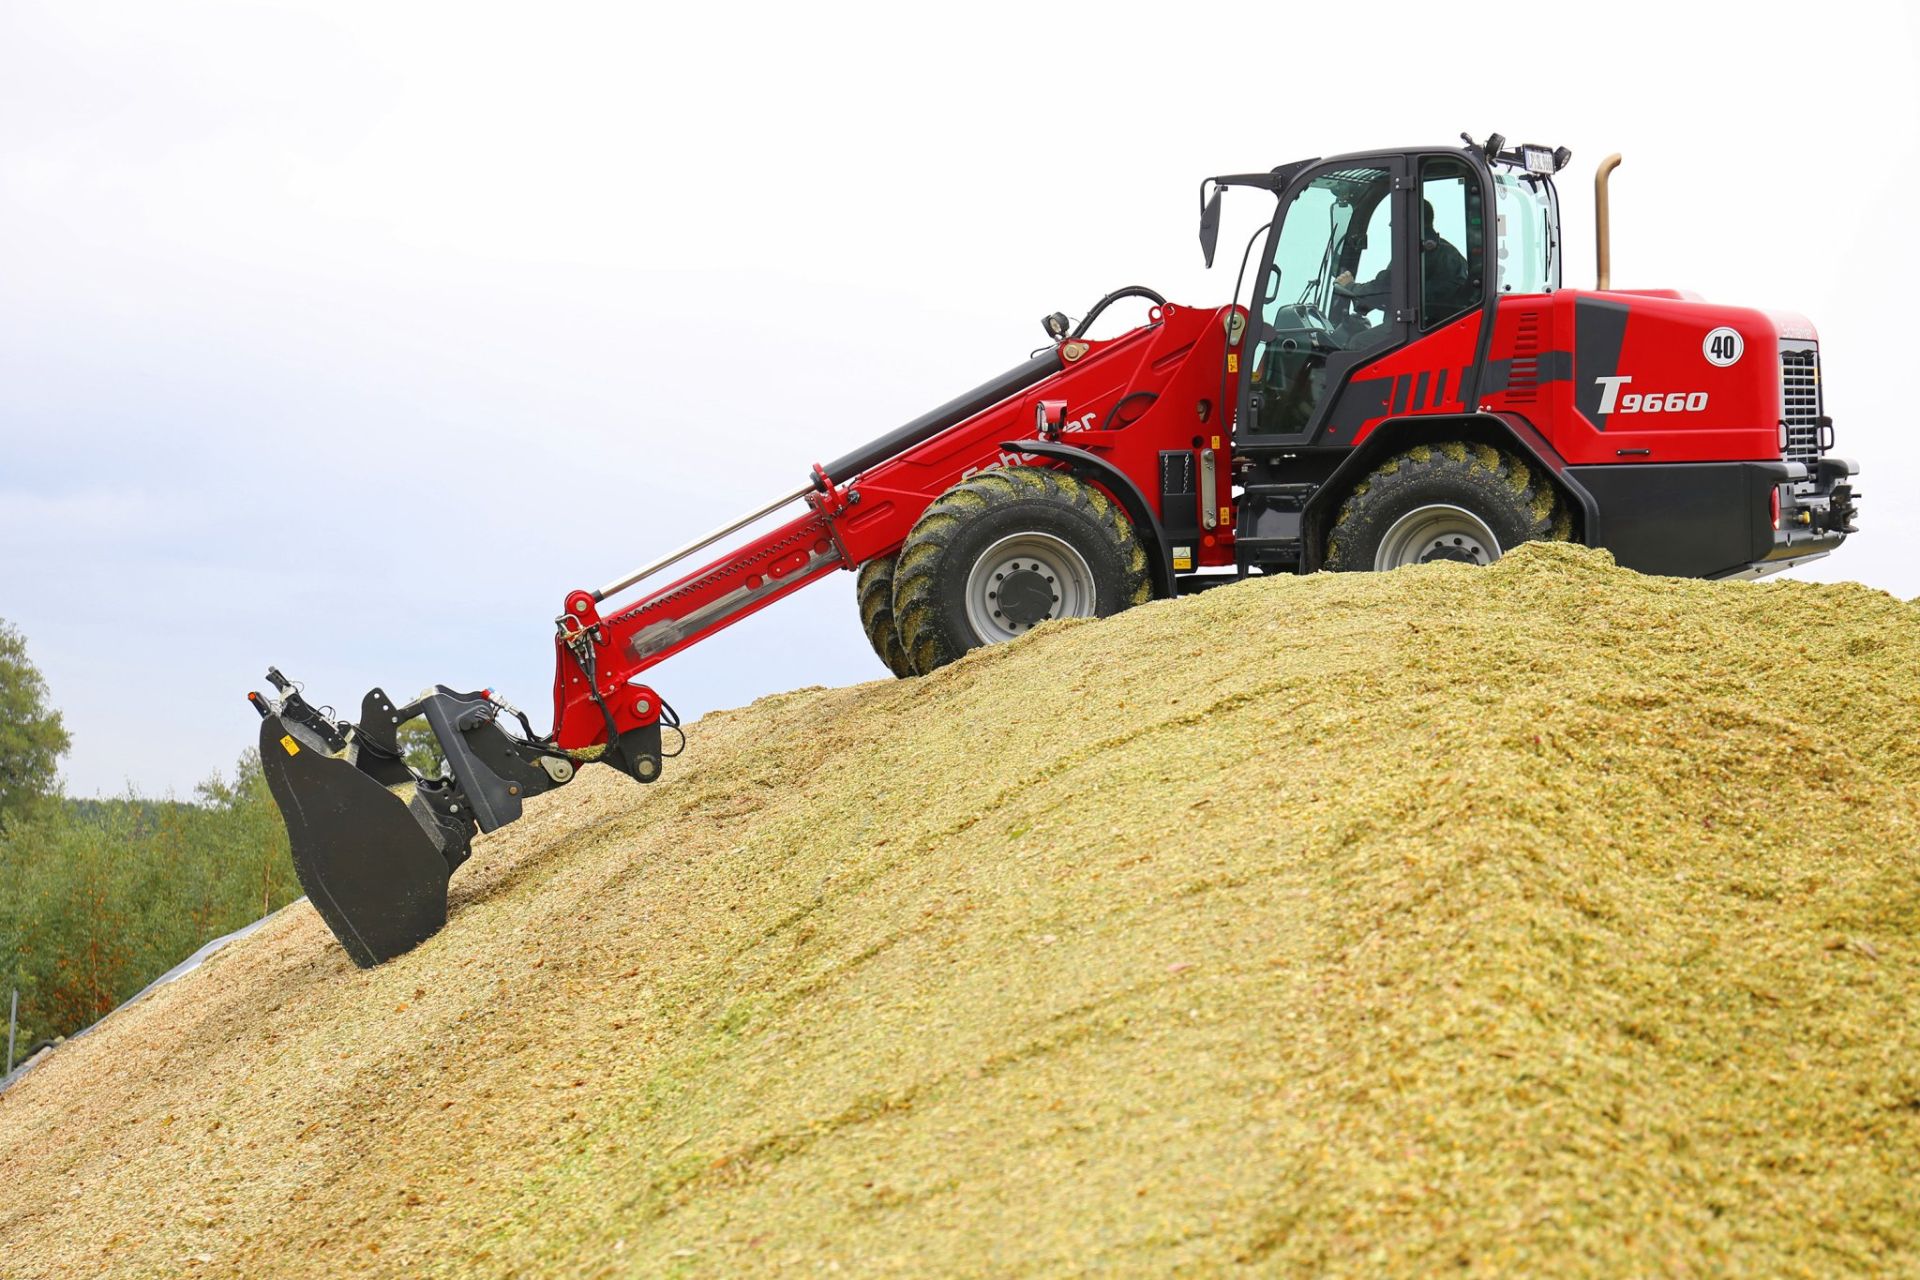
{"x":1615,"y":399}
{"x":1723,"y":347}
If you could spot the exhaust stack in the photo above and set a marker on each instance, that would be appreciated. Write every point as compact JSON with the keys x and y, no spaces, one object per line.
{"x":1602,"y":225}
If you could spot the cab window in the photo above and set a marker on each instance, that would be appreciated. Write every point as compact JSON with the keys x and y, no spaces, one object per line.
{"x":1328,"y":296}
{"x":1526,"y":217}
{"x":1333,"y":267}
{"x":1452,"y":240}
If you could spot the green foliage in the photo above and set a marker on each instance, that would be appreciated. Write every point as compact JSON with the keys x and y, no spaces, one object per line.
{"x":420,"y":747}
{"x":32,"y":738}
{"x":98,"y":898}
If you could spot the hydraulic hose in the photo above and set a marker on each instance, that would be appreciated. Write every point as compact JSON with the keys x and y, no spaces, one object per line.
{"x":1131,"y":291}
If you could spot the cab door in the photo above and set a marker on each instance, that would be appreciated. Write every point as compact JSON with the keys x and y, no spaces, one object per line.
{"x":1335,"y":292}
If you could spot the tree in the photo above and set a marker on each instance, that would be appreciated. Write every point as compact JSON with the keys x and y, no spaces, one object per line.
{"x":420,"y":747}
{"x":32,"y":738}
{"x":98,"y":897}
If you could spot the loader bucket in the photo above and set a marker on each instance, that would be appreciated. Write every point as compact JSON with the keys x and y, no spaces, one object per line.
{"x":368,"y":865}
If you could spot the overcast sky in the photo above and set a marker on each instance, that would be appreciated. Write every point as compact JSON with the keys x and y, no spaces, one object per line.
{"x":351,"y":336}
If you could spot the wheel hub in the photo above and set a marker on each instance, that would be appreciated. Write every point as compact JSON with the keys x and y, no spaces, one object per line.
{"x":1439,"y":531}
{"x":1024,"y":580}
{"x":1025,"y":596}
{"x":1460,"y":550}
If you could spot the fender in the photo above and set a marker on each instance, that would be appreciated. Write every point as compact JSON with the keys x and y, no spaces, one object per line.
{"x":1507,"y":430}
{"x":1090,"y":466}
{"x":1536,"y":448}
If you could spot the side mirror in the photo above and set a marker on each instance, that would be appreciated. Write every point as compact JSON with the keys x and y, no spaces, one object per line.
{"x":1210,"y":225}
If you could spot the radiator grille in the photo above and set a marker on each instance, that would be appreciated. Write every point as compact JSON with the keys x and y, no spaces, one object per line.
{"x":1800,"y":404}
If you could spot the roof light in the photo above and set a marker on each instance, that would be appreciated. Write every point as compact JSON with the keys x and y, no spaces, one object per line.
{"x":1537,"y":159}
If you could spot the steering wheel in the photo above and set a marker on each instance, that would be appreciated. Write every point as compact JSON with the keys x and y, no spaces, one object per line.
{"x":1308,"y":315}
{"x":1316,"y":332}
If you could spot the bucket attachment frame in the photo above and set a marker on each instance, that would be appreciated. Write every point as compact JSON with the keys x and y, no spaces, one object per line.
{"x":374,"y":841}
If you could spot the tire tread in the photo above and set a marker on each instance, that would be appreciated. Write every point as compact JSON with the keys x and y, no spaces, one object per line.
{"x":916,"y":602}
{"x":1532,"y":495}
{"x":873,"y":590}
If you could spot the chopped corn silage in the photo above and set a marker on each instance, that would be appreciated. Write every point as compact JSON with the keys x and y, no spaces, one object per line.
{"x":1541,"y":919}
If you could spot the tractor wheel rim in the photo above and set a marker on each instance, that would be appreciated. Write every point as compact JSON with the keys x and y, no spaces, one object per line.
{"x":1441,"y":531}
{"x":1024,"y":580}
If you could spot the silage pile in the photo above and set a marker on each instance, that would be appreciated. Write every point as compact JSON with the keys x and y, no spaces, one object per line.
{"x":1543,"y":919}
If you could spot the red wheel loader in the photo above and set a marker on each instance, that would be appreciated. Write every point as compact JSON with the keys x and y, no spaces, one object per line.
{"x":1408,"y":382}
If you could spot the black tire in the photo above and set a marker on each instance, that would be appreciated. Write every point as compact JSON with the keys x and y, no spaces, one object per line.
{"x":1001,"y":511}
{"x":874,"y":590}
{"x":1424,"y":505}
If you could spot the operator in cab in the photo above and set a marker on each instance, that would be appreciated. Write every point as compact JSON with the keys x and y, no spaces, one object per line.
{"x":1446,"y":287}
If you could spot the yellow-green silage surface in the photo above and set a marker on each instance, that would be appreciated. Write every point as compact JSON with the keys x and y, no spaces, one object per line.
{"x":1545,"y":919}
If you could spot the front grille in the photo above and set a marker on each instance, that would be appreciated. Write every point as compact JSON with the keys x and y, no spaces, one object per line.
{"x":1800,"y":404}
